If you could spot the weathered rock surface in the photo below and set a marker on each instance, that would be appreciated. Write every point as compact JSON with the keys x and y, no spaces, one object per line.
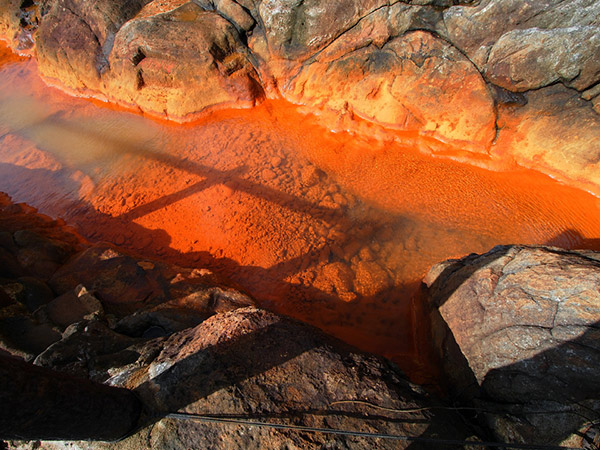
{"x":517,"y":333}
{"x":17,"y":21}
{"x":522,"y":60}
{"x":555,"y":132}
{"x":415,"y":82}
{"x":154,"y":68}
{"x":475,"y":29}
{"x":253,"y":364}
{"x":75,"y":38}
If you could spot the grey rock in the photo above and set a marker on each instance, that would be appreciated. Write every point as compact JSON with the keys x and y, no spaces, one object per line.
{"x":517,"y":333}
{"x":529,"y":59}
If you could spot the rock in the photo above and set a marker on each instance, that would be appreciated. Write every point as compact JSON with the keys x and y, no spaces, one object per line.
{"x":296,"y":30}
{"x":530,"y":59}
{"x":29,"y":291}
{"x":75,"y":38}
{"x":73,"y":306}
{"x":371,"y":279}
{"x":117,"y":280}
{"x":251,"y":363}
{"x":415,"y":82}
{"x":82,"y":348}
{"x":556,"y":133}
{"x":475,"y":29}
{"x":154,"y":68}
{"x":23,"y":336}
{"x":17,"y":22}
{"x":516,"y":330}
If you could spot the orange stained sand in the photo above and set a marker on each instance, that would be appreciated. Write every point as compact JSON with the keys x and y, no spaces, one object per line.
{"x":331,"y":228}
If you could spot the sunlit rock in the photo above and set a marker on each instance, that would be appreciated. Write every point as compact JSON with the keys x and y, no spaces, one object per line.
{"x":154,"y":68}
{"x":517,"y":333}
{"x":556,"y":132}
{"x":416,"y":82}
{"x":75,"y":38}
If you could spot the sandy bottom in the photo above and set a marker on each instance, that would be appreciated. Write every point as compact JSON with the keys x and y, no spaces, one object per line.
{"x":330,"y":228}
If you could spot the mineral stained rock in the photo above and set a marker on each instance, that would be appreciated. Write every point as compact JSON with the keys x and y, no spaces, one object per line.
{"x":517,"y":333}
{"x":430,"y":67}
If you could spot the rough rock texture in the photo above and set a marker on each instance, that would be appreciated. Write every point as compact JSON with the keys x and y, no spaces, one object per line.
{"x":477,"y":29}
{"x":17,"y":21}
{"x":75,"y":38}
{"x":256,"y":365}
{"x":529,"y":59}
{"x":50,"y":285}
{"x":154,"y":68}
{"x":556,"y":132}
{"x":517,"y":330}
{"x":415,"y":82}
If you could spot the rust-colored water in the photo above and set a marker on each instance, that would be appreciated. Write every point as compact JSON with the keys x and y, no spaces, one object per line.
{"x":329,"y":228}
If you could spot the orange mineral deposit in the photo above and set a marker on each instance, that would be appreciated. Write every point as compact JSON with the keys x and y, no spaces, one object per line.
{"x":331,"y":228}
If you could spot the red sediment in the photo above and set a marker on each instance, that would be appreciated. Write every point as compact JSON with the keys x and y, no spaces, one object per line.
{"x":330,"y":228}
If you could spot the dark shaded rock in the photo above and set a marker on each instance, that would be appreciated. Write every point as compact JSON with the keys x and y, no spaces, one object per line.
{"x":22,"y":335}
{"x":185,"y":311}
{"x":73,"y":306}
{"x":517,"y":333}
{"x":251,"y":363}
{"x":125,"y":285}
{"x":82,"y":346}
{"x":35,"y":293}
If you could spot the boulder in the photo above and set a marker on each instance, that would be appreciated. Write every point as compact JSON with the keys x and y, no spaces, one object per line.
{"x":474,"y":29}
{"x":75,"y":38}
{"x":182,"y":62}
{"x":255,"y":365}
{"x":556,"y":132}
{"x":516,"y":330}
{"x":530,"y":59}
{"x":415,"y":82}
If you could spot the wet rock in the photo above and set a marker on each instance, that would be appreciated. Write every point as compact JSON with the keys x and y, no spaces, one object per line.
{"x":517,"y":333}
{"x":530,"y":59}
{"x":414,"y":82}
{"x":155,"y":69}
{"x":556,"y":133}
{"x":371,"y":278}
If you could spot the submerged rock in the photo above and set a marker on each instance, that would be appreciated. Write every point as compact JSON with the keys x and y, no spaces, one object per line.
{"x":517,"y":333}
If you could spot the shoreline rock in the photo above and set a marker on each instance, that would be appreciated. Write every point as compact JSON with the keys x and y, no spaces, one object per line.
{"x":516,"y":332}
{"x":429,"y":67}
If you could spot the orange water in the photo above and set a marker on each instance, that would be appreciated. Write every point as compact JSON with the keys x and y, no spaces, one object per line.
{"x":330,"y":228}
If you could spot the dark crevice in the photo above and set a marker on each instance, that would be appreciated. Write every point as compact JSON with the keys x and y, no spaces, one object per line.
{"x":140,"y":83}
{"x":138,"y":57}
